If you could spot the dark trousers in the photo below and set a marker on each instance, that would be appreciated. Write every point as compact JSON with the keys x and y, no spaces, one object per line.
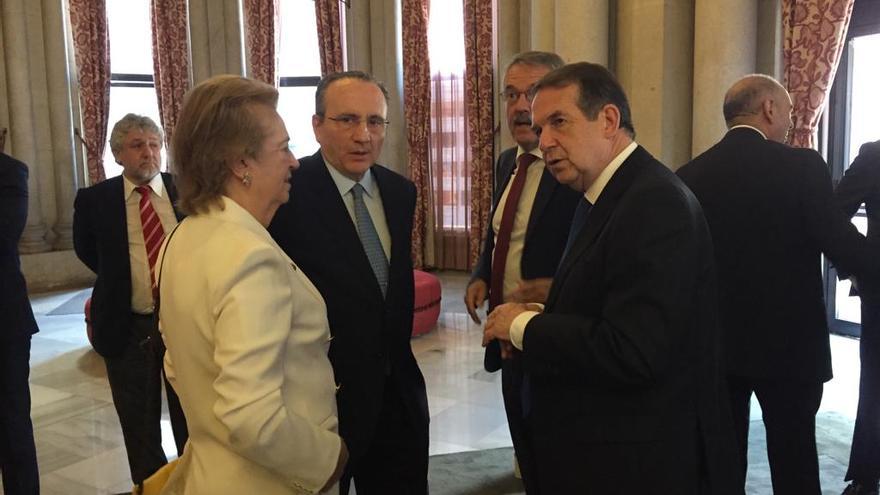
{"x":789,"y":412}
{"x":511,"y":388}
{"x":397,"y":459}
{"x":136,"y":387}
{"x":18,"y":456}
{"x":864,"y":458}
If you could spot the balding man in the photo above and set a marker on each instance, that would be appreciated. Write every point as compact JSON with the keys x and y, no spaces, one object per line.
{"x":771,"y":214}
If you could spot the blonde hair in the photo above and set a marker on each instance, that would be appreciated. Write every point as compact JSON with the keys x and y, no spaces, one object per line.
{"x":216,"y":125}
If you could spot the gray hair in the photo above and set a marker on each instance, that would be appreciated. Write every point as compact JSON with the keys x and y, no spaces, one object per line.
{"x":129,"y":123}
{"x":326,"y":81}
{"x":549,"y":60}
{"x":745,"y":96}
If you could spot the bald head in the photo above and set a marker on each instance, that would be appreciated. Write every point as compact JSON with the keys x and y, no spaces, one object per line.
{"x":761,"y":102}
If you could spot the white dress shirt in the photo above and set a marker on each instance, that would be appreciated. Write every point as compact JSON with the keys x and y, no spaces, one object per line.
{"x":372,"y":199}
{"x":141,"y":284}
{"x":512,"y":267}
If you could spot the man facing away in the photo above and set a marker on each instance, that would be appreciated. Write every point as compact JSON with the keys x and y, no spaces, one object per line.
{"x":621,"y":362}
{"x":861,"y":185}
{"x":348,"y":226}
{"x":527,"y":231}
{"x":771,"y":214}
{"x":118,"y":227}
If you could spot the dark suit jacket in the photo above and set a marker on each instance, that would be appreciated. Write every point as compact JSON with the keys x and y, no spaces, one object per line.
{"x":546,"y":234}
{"x":100,"y":238}
{"x":861,"y":184}
{"x":370,"y":335}
{"x":770,"y":210}
{"x":14,"y":304}
{"x":625,"y":355}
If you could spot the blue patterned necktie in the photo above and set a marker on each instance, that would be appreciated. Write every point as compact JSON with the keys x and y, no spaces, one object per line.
{"x":370,"y":238}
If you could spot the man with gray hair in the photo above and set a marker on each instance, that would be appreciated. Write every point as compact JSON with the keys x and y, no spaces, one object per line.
{"x":771,"y":214}
{"x":118,"y":226}
{"x":528,"y":227}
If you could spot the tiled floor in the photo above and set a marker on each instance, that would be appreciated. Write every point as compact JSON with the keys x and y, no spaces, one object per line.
{"x":80,"y":446}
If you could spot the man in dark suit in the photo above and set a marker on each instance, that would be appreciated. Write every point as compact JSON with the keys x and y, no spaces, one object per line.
{"x":348,"y":226}
{"x":771,"y":214}
{"x":622,"y":359}
{"x":118,"y":225}
{"x":861,"y":185}
{"x":18,"y":457}
{"x":531,"y":231}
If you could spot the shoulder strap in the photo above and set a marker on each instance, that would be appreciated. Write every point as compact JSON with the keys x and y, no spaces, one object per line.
{"x":159,"y":277}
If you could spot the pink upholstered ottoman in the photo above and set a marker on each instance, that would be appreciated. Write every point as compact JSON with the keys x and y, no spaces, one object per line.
{"x":427,"y":302}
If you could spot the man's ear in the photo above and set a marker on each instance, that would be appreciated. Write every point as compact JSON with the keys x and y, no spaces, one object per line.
{"x":768,"y":110}
{"x":610,"y":115}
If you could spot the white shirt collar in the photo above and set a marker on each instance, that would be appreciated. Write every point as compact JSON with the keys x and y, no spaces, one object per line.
{"x":595,"y":190}
{"x":155,"y":184}
{"x":748,"y":127}
{"x":344,"y":184}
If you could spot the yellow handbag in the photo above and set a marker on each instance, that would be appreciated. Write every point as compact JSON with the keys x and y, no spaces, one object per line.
{"x":154,"y":484}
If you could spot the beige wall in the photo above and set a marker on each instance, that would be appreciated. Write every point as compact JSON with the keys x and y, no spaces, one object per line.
{"x":675,"y":58}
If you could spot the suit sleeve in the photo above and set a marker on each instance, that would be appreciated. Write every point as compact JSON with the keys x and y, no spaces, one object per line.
{"x":651,"y":271}
{"x":827,"y":226}
{"x":860,"y":180}
{"x":253,"y":322}
{"x":84,"y":240}
{"x":13,"y":206}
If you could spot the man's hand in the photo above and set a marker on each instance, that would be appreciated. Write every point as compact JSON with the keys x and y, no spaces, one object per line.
{"x":534,"y":290}
{"x":499,"y":321}
{"x":474,"y":297}
{"x":340,"y":467}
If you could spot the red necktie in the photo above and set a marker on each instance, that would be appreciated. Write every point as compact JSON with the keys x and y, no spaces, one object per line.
{"x":152,"y":227}
{"x":502,"y":237}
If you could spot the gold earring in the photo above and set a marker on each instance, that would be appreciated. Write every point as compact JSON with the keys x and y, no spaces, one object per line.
{"x":246,"y":179}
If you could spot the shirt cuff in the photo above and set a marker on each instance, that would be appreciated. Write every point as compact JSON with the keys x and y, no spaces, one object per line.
{"x":518,"y":327}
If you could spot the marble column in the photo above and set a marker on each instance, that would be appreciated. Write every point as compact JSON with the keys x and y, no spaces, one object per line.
{"x":509,"y":44}
{"x":724,"y":50}
{"x":58,"y":77}
{"x":768,"y":59}
{"x":357,"y":36}
{"x":386,"y":53}
{"x":542,"y":25}
{"x":21,"y":140}
{"x":581,"y":30}
{"x":654,"y":56}
{"x":216,"y":38}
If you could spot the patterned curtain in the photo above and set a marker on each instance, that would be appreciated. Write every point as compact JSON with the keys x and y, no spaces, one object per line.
{"x":91,"y":46}
{"x":815,"y":34}
{"x":261,"y":19}
{"x":478,"y":50}
{"x":417,"y":112}
{"x":330,"y":34}
{"x":171,"y":66}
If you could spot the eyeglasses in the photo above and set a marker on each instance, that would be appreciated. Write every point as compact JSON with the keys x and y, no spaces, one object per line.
{"x":512,"y":96}
{"x":375,"y":124}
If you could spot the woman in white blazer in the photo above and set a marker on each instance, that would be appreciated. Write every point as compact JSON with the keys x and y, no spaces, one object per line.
{"x":246,"y":331}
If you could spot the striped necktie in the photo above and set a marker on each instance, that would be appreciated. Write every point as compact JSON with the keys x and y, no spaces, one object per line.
{"x":152,"y":229}
{"x":370,"y":238}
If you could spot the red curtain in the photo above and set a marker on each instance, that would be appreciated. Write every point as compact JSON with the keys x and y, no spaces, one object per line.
{"x":478,"y":46}
{"x":330,"y":35}
{"x":171,"y":64}
{"x":416,"y":108}
{"x":91,"y":45}
{"x":814,"y":36}
{"x":261,"y":19}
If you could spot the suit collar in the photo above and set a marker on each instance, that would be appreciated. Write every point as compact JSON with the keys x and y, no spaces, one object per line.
{"x":601,"y":212}
{"x":595,"y":190}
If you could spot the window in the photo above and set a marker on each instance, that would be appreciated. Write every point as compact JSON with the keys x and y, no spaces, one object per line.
{"x":131,"y":65}
{"x":853,"y":106}
{"x":299,"y":68}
